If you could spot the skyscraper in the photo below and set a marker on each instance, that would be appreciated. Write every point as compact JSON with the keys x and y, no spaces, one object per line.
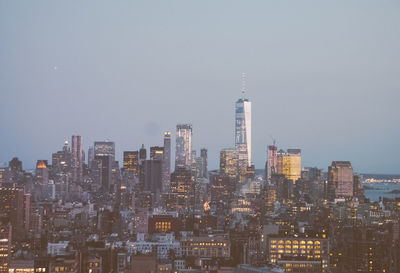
{"x":183,"y":186}
{"x":131,"y":162}
{"x":228,"y":163}
{"x":15,"y":205}
{"x":243,"y":134}
{"x":166,"y":163}
{"x":5,"y":246}
{"x":289,"y":164}
{"x":103,"y":148}
{"x":42,"y":172}
{"x":104,"y":164}
{"x":90,"y":156}
{"x":183,"y":156}
{"x":152,"y":176}
{"x":15,"y":166}
{"x":142,"y":154}
{"x":204,"y":159}
{"x":340,"y":179}
{"x":272,"y":162}
{"x":76,"y":158}
{"x":156,"y":153}
{"x":61,"y":160}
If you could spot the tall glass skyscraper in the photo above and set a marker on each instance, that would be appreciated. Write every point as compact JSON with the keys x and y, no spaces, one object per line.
{"x":243,"y":134}
{"x":183,"y":155}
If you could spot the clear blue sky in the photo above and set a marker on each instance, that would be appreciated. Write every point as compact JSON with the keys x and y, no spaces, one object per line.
{"x":323,"y":76}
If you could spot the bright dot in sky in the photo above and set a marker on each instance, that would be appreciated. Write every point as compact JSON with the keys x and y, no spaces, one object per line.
{"x":55,"y":67}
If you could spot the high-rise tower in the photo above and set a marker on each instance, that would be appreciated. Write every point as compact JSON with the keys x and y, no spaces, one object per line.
{"x":272,"y":162}
{"x":228,"y":164}
{"x":183,"y":156}
{"x":5,"y":246}
{"x":289,"y":164}
{"x":204,"y":161}
{"x":243,"y":134}
{"x":166,"y":163}
{"x":340,"y":179}
{"x":131,"y":162}
{"x":76,"y":158}
{"x":104,"y":148}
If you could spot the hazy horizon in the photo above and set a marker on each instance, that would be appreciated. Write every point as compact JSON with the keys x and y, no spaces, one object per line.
{"x":322,"y":77}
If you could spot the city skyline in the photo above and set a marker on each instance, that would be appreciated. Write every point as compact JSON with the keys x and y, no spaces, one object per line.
{"x":126,"y":78}
{"x":199,"y":136}
{"x":87,"y":146}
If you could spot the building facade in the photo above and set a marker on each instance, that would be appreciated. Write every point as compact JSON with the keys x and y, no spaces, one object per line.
{"x":166,"y":163}
{"x":183,"y":156}
{"x":340,"y":179}
{"x":243,"y":133}
{"x":289,"y":164}
{"x":229,"y":163}
{"x":77,"y":157}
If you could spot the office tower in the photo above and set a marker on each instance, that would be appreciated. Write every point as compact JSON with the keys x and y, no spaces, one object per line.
{"x":90,"y":156}
{"x":104,"y":148}
{"x":222,"y":189}
{"x":62,"y":160}
{"x":311,"y":173}
{"x":193,"y":158}
{"x":5,"y":176}
{"x":204,"y":159}
{"x":131,"y":162}
{"x":104,"y":164}
{"x":272,"y":161}
{"x":183,"y":186}
{"x":358,"y":190}
{"x":156,"y":153}
{"x":229,"y":163}
{"x":340,"y":179}
{"x":270,"y":197}
{"x":243,"y":134}
{"x":42,"y":172}
{"x":16,"y":171}
{"x":197,"y":168}
{"x":284,"y":187}
{"x":166,"y":163}
{"x":183,"y":156}
{"x":15,"y":206}
{"x":152,"y":176}
{"x":142,"y":154}
{"x":142,"y":158}
{"x":76,"y":158}
{"x":15,"y":165}
{"x":5,"y":246}
{"x":289,"y":164}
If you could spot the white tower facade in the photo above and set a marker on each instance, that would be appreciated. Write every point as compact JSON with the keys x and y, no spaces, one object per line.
{"x":243,"y":133}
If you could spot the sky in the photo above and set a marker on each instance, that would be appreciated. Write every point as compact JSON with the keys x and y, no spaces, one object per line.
{"x":323,"y":76}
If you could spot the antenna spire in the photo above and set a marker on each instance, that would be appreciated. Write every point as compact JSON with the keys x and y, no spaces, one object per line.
{"x":243,"y":84}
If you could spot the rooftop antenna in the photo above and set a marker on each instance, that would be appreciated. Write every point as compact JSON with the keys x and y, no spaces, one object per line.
{"x":243,"y":84}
